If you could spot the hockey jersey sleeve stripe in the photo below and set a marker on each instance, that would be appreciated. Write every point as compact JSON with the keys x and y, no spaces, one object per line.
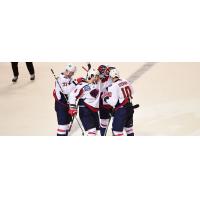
{"x":54,"y":94}
{"x":107,"y":107}
{"x":122,"y":104}
{"x":60,"y":130}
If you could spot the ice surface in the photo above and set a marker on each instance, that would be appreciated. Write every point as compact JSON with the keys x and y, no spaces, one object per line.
{"x":168,"y":94}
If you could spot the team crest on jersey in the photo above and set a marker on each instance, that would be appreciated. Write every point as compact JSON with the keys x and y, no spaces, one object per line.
{"x":87,"y":88}
{"x":94,"y":93}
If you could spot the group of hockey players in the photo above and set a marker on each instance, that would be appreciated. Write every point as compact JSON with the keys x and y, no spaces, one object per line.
{"x":98,"y":97}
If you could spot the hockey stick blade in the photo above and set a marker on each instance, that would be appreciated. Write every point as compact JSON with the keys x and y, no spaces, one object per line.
{"x":136,"y":106}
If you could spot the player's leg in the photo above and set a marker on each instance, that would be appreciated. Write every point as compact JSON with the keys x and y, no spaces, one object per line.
{"x":63,"y":119}
{"x":104,"y":120}
{"x":129,"y":122}
{"x":96,"y":121}
{"x":31,"y":70}
{"x":119,"y":120}
{"x":88,"y":121}
{"x":15,"y":71}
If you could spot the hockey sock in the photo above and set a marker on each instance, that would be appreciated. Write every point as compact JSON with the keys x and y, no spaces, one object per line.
{"x":104,"y":124}
{"x":62,"y":130}
{"x":92,"y":132}
{"x":117,"y":133}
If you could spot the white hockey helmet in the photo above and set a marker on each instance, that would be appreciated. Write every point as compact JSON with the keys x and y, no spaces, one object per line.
{"x":92,"y":73}
{"x":71,"y":68}
{"x":114,"y":73}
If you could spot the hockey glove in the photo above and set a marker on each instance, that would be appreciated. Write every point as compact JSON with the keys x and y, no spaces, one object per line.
{"x":80,"y":80}
{"x":106,"y":95}
{"x":72,"y":110}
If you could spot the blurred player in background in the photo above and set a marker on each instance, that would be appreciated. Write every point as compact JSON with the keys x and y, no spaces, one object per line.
{"x":88,"y":94}
{"x":119,"y":96}
{"x":65,"y":84}
{"x":30,"y":68}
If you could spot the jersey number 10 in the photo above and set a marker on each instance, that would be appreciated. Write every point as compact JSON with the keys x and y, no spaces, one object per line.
{"x":127,"y":92}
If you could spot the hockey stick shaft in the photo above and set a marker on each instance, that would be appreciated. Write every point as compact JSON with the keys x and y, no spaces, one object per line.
{"x":59,"y":84}
{"x":108,"y":125}
{"x":71,"y":124}
{"x":83,"y":133}
{"x":84,"y":69}
{"x":89,"y":67}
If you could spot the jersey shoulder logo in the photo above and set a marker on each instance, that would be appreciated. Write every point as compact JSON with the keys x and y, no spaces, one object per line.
{"x":87,"y":88}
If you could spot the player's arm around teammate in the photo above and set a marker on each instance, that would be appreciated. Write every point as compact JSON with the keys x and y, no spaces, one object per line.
{"x":87,"y":93}
{"x":119,"y":96}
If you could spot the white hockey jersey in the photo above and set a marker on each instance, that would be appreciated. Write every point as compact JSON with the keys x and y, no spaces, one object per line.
{"x":104,"y":88}
{"x":120,"y":92}
{"x":67,"y":86}
{"x":87,"y":93}
{"x":105,"y":84}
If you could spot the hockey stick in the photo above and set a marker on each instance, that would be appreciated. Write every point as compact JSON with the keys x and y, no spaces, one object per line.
{"x":108,"y":125}
{"x":136,"y":106}
{"x":71,"y":124}
{"x":58,"y":84}
{"x":89,"y":67}
{"x":84,"y":69}
{"x":64,"y":97}
{"x":83,"y":133}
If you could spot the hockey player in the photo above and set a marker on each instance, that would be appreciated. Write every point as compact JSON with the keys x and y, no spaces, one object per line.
{"x":104,"y":108}
{"x":119,"y":96}
{"x":88,"y":94}
{"x":64,"y":86}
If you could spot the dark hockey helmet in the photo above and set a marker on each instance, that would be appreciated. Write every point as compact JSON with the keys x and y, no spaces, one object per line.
{"x":103,"y":71}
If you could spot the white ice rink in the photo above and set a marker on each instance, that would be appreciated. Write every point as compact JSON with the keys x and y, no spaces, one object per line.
{"x":168,"y":94}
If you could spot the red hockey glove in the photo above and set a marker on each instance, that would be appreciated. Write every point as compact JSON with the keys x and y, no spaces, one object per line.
{"x":80,"y":80}
{"x":73,"y":110}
